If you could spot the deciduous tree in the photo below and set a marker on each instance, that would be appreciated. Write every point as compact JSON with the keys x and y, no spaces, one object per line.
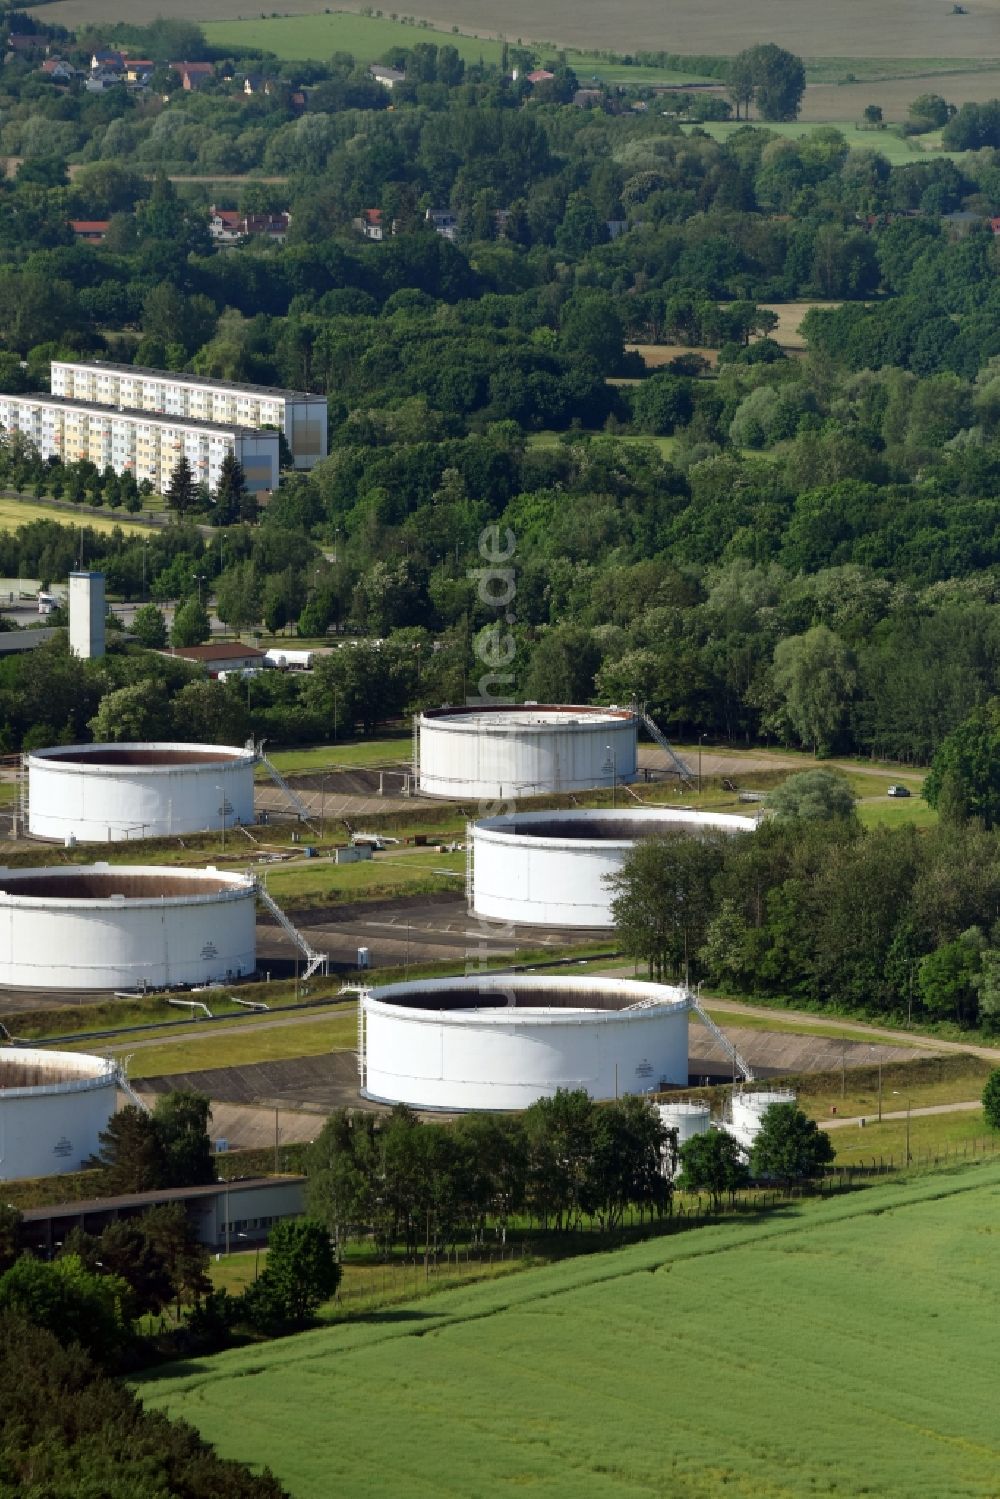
{"x":813,"y":794}
{"x":302,"y":1269}
{"x":662,"y":901}
{"x":789,"y":1146}
{"x":713,"y":1162}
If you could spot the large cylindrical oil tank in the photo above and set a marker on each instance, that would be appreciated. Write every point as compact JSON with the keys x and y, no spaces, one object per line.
{"x":551,"y":868}
{"x":53,"y":1107}
{"x":104,"y":793}
{"x":498,"y":753}
{"x":103,"y":926}
{"x":501,"y":1043}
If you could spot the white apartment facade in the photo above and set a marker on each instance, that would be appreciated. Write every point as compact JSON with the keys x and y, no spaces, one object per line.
{"x":299,"y":415}
{"x":146,"y":444}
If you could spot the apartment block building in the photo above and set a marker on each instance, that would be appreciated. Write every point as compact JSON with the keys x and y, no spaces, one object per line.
{"x":143,"y":442}
{"x":299,"y":415}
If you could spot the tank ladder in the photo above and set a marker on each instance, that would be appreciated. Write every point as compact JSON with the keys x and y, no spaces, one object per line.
{"x":656,"y":734}
{"x":362,"y":991}
{"x":416,"y":754}
{"x":296,"y":802}
{"x":124,"y":1086}
{"x":22,"y":789}
{"x":720,"y":1036}
{"x":469,"y":868}
{"x":314,"y":960}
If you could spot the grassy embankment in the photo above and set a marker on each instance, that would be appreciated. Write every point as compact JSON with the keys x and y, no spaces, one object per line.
{"x":835,"y":1346}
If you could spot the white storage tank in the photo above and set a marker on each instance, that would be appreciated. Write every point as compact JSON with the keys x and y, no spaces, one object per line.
{"x":748,"y":1110}
{"x":105,"y":926}
{"x":688,"y":1119}
{"x":499,"y":753}
{"x":503,"y":1042}
{"x":104,"y":793}
{"x":550,"y":868}
{"x":53,"y":1107}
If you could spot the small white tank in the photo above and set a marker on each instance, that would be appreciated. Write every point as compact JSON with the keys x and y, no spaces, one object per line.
{"x":688,"y":1119}
{"x":749,"y":1110}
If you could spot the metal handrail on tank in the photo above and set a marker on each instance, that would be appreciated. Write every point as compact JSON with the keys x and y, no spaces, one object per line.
{"x":362,"y":991}
{"x":657,"y":735}
{"x":314,"y":960}
{"x":720,"y":1036}
{"x":298,"y":805}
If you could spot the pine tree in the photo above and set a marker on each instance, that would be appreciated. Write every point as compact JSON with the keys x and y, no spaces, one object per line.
{"x":231,"y":492}
{"x":181,"y":492}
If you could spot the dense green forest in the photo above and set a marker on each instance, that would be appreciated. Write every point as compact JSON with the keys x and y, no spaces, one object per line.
{"x":758,"y":545}
{"x":883,"y":921}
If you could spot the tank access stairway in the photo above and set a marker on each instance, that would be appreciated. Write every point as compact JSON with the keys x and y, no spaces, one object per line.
{"x":656,"y":734}
{"x":124,"y":1086}
{"x":294,"y":800}
{"x":739,"y":1064}
{"x":362,"y":991}
{"x":314,"y":960}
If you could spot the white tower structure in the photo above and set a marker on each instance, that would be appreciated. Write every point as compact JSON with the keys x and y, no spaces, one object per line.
{"x":86,"y":615}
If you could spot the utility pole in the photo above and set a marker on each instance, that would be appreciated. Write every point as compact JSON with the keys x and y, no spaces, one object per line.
{"x":908,"y":1103}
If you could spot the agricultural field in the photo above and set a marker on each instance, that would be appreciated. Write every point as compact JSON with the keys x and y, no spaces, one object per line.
{"x":838,"y":89}
{"x":318,"y":36}
{"x":835,"y":1347}
{"x":295,"y":37}
{"x":834,"y":99}
{"x":907,"y":31}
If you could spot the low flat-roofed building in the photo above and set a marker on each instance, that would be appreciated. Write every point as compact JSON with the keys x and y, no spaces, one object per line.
{"x":225,"y":1214}
{"x":221,"y":655}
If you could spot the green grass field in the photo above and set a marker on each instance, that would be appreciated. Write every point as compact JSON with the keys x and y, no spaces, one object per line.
{"x":385,"y":874}
{"x":347,"y":756}
{"x":236,"y":1049}
{"x":932,"y":1136}
{"x":14,"y":513}
{"x":366,"y":37}
{"x":547,"y":439}
{"x":836,"y":1348}
{"x":897,"y":151}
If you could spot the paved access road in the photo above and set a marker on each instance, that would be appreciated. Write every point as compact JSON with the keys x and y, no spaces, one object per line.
{"x":898,"y":1114}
